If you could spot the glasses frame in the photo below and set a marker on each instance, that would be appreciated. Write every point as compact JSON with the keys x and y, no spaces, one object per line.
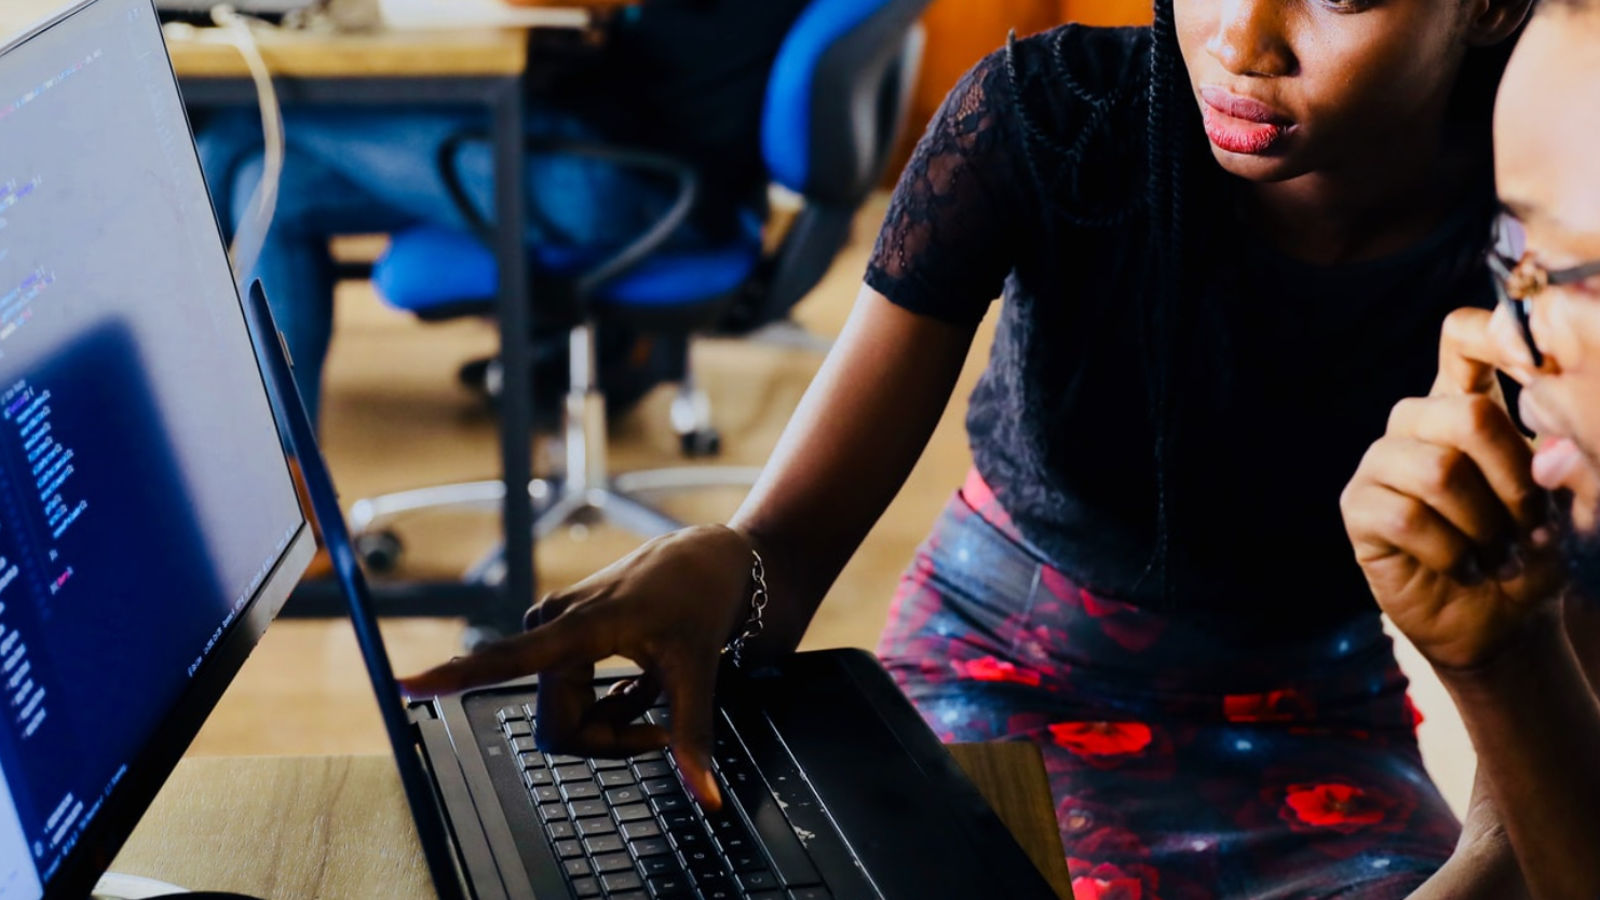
{"x":1518,"y":281}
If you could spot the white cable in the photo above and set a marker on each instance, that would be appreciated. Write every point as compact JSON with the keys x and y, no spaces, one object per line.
{"x":251,"y":234}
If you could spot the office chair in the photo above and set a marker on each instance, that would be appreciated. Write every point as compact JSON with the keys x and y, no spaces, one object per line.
{"x":835,"y":105}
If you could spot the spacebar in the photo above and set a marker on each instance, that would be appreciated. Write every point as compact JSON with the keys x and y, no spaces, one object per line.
{"x":789,"y":858}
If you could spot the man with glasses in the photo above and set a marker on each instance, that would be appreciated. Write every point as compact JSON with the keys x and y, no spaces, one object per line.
{"x":1485,"y":550}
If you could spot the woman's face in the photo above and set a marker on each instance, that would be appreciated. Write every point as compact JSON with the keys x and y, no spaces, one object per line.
{"x":1289,"y":87}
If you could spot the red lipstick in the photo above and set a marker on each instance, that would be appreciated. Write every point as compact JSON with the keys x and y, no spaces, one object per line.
{"x":1239,"y":124}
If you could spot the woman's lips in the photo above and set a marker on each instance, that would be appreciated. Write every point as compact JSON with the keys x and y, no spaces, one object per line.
{"x":1239,"y":124}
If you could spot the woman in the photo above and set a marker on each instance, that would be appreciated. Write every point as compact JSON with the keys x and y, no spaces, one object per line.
{"x":1226,"y":244}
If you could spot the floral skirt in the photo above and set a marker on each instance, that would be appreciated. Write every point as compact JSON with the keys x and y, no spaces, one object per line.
{"x":1186,"y":761}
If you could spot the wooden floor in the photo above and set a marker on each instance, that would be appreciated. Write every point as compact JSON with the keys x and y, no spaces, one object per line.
{"x":395,"y":418}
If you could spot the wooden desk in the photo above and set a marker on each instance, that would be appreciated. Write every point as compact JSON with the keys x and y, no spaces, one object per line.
{"x":486,"y":52}
{"x":287,"y":828}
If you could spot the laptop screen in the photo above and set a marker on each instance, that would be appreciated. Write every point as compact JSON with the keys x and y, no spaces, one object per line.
{"x":144,"y":496}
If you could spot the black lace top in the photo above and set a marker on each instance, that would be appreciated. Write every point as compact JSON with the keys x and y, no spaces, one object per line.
{"x":1030,"y":183}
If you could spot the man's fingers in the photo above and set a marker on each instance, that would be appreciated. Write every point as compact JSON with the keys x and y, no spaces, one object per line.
{"x":1481,"y":428}
{"x":1383,"y":522}
{"x":691,"y":689}
{"x":565,"y":641}
{"x":1448,"y":482}
{"x":1467,"y":355}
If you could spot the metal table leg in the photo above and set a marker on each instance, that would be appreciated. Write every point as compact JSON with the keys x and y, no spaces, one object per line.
{"x":516,"y":403}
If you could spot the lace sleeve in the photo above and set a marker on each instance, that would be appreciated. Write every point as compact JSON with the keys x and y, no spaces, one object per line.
{"x":947,"y":244}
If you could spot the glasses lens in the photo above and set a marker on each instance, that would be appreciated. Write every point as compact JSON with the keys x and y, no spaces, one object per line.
{"x":1510,"y":240}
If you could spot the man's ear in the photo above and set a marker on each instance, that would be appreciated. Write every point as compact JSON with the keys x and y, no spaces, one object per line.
{"x":1494,"y":21}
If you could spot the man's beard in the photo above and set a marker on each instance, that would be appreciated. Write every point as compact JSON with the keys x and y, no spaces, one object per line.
{"x":1580,"y":550}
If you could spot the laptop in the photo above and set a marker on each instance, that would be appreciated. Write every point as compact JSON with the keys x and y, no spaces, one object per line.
{"x":150,"y":529}
{"x":833,"y":786}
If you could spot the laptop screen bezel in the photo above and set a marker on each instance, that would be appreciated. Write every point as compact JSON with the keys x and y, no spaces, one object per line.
{"x":100,"y":840}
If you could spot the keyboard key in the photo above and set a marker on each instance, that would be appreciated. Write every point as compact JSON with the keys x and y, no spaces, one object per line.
{"x":598,"y":825}
{"x":745,"y":862}
{"x":653,"y":769}
{"x":645,"y":848}
{"x":621,"y":881}
{"x":661,"y":787}
{"x":547,"y":793}
{"x":665,"y":803}
{"x":565,"y":774}
{"x":679,"y":819}
{"x":665,"y":886}
{"x":586,"y":887}
{"x":759,"y":880}
{"x":511,"y":713}
{"x":632,"y":812}
{"x":704,"y":864}
{"x":518,"y":728}
{"x":560,"y":830}
{"x":583,"y":809}
{"x":576,"y":868}
{"x":737,"y":843}
{"x":535,"y":777}
{"x":691,"y":842}
{"x":604,"y":843}
{"x":814,"y":892}
{"x":622,"y":796}
{"x":523,"y":745}
{"x":613,"y":862}
{"x":614,"y":778}
{"x":719,"y":889}
{"x":652,"y":866}
{"x":633,"y":831}
{"x":630,"y":895}
{"x":531,"y":760}
{"x":563,"y":759}
{"x":726,"y":822}
{"x":769,"y":895}
{"x":568,"y":849}
{"x":601,"y":765}
{"x":580,"y":790}
{"x":660,"y":715}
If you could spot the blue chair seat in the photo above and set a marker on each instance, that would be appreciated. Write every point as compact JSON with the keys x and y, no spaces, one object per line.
{"x":432,"y":268}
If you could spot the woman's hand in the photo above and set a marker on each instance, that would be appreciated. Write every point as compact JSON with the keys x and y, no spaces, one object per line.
{"x":1447,"y":523}
{"x":670,"y":606}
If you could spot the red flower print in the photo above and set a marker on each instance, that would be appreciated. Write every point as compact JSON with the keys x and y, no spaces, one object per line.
{"x":1101,"y":738}
{"x":1105,"y":882}
{"x":1344,"y":808}
{"x":988,"y":668}
{"x":1127,"y":626}
{"x":1417,"y":718}
{"x":1274,"y":706}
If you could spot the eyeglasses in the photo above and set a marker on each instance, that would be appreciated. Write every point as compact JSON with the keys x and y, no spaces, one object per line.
{"x":1518,"y":278}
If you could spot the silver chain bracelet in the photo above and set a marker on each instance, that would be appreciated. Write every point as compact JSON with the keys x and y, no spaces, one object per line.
{"x":758,"y":607}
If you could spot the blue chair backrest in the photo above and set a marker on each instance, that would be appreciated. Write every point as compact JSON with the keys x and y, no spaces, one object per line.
{"x":828,"y":126}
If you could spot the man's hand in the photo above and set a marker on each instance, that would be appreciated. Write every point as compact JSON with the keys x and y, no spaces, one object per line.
{"x":1447,"y":523}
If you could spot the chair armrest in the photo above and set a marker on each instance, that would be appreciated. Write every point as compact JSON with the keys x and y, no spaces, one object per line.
{"x":648,"y":241}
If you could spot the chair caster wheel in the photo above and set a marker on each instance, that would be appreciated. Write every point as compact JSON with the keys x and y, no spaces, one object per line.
{"x":380,"y":551}
{"x":701,"y":444}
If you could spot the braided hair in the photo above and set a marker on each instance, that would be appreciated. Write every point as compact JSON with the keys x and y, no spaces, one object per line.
{"x":1181,"y":177}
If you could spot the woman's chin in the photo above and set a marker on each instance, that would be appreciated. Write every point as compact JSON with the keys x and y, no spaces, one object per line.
{"x":1262,"y":168}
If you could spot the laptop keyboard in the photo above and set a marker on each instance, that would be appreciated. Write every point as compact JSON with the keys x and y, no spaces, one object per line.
{"x":628,"y":830}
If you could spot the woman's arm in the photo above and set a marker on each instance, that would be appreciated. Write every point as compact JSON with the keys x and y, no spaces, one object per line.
{"x":856,"y":435}
{"x":672,"y":604}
